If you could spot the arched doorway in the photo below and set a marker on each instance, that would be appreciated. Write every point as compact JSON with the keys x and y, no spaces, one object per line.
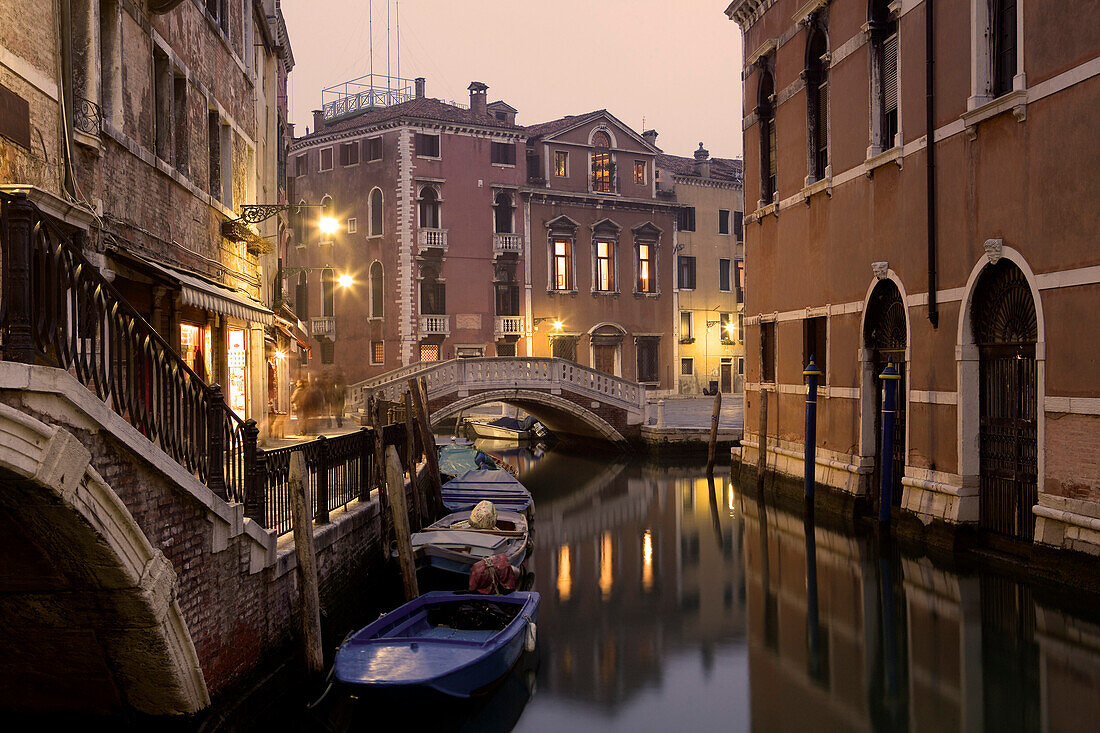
{"x":885,"y":336}
{"x":607,"y":349}
{"x":1006,"y":331}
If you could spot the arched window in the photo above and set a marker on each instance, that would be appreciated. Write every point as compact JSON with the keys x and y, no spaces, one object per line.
{"x":1002,"y":23}
{"x":328,"y":293}
{"x":603,"y":168}
{"x":884,"y":76}
{"x":502,"y":213}
{"x":376,"y":291}
{"x":376,"y":212}
{"x":300,"y":217}
{"x":429,"y":208}
{"x":817,"y":103}
{"x":301,"y":297}
{"x":765,"y":112}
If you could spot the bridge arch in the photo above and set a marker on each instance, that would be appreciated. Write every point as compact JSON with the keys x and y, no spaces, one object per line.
{"x":560,"y":416}
{"x":91,"y":618}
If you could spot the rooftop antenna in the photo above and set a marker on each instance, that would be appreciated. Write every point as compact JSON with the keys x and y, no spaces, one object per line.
{"x":397,"y":12}
{"x":387,"y":40}
{"x":370,"y":22}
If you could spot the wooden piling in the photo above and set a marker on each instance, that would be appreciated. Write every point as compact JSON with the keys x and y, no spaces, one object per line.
{"x":714,"y":415}
{"x":413,"y":458}
{"x":395,"y":488}
{"x":420,"y":402}
{"x":762,"y":442}
{"x":309,"y":601}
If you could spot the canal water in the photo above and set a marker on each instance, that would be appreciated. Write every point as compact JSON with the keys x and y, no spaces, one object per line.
{"x":672,"y":602}
{"x":675,"y":603}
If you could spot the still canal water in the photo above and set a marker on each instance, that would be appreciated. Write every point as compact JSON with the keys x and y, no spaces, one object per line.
{"x":668,"y":602}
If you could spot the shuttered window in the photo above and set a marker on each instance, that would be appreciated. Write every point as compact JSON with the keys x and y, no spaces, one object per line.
{"x":889,"y":90}
{"x":648,"y":367}
{"x":1003,"y":19}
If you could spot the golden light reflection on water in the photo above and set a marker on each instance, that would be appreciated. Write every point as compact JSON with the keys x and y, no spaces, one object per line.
{"x":647,"y":560}
{"x":565,"y":574}
{"x":729,"y":493}
{"x":605,"y":565}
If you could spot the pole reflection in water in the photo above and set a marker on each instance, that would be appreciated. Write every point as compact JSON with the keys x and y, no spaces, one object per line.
{"x":606,"y":570}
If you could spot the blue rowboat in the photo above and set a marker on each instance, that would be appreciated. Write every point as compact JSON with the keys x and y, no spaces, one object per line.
{"x":457,"y":644}
{"x":497,"y":486}
{"x":452,"y":546}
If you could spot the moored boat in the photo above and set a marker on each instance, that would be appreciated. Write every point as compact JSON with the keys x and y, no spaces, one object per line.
{"x":506,"y":428}
{"x":451,"y":545}
{"x":497,"y":486}
{"x":456,"y":644}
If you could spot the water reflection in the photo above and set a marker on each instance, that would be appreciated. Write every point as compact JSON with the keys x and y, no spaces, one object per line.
{"x":847,"y":633}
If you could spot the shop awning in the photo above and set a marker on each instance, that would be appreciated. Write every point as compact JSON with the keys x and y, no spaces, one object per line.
{"x":207,"y":295}
{"x":293,"y":331}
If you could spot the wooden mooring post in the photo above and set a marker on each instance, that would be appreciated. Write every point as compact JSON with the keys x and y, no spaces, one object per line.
{"x":309,"y":601}
{"x":420,"y":401}
{"x":715,"y":414}
{"x":395,"y":487}
{"x":413,"y":458}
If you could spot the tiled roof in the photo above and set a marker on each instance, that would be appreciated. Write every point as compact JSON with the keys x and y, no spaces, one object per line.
{"x":423,"y":108}
{"x":549,"y":128}
{"x":722,"y":169}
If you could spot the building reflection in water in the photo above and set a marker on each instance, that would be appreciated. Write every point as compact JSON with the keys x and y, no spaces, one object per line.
{"x":847,"y":633}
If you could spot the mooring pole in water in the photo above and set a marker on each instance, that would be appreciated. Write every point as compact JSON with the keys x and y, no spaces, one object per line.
{"x":714,"y":415}
{"x":762,"y":443}
{"x":309,"y":602}
{"x":811,"y":373}
{"x":395,"y":487}
{"x":420,"y":402}
{"x":413,"y":458}
{"x":889,"y":379}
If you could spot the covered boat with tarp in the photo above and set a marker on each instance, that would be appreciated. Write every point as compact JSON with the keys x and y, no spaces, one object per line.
{"x":507,"y":428}
{"x":495,"y":485}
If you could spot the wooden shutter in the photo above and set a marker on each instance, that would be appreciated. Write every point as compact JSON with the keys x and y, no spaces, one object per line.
{"x":890,"y":75}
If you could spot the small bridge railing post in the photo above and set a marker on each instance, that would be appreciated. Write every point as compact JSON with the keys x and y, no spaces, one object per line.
{"x":18,"y":220}
{"x":366,"y":454}
{"x":321,"y":515}
{"x":215,"y":414}
{"x":254,"y":481}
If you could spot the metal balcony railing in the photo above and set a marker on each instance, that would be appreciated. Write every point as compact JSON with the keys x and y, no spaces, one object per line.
{"x":86,"y":116}
{"x":509,"y":326}
{"x":435,"y":325}
{"x":432,"y":238}
{"x":503,"y":243}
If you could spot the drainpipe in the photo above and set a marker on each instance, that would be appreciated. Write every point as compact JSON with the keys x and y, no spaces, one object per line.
{"x":929,"y":124}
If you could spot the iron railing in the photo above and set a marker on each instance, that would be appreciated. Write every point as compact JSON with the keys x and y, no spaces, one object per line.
{"x":87,"y":116}
{"x":338,"y":471}
{"x":57,"y":309}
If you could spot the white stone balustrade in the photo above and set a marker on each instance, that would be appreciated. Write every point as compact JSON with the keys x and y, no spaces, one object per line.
{"x":323,"y":326}
{"x":435,"y":325}
{"x":544,"y":374}
{"x":432,"y":238}
{"x":507,"y":243}
{"x":509,"y":326}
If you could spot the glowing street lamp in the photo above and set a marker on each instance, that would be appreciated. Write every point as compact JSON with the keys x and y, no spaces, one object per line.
{"x":328,"y":225}
{"x":345,"y":281}
{"x":558,"y":325}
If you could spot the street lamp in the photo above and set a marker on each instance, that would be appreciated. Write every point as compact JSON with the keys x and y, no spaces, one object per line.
{"x":328,"y":225}
{"x":345,"y":281}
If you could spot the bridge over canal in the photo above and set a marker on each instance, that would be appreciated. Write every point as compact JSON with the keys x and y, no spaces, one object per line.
{"x":566,"y":397}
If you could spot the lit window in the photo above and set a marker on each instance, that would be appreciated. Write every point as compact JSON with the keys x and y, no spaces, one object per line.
{"x":429,"y":352}
{"x":377,"y":352}
{"x":563,"y":264}
{"x":561,"y":163}
{"x":603,"y":169}
{"x":605,"y":266}
{"x":639,"y":172}
{"x":646,"y":280}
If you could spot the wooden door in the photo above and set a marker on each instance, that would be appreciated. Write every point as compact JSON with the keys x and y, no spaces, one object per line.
{"x":604,"y":359}
{"x":727,"y":377}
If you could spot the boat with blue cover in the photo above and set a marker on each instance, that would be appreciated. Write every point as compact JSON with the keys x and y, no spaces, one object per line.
{"x":497,"y":486}
{"x":457,"y":644}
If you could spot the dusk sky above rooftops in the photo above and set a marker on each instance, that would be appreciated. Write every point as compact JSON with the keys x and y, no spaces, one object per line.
{"x":674,"y":62}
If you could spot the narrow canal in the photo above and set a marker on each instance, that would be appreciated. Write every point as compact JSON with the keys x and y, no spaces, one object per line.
{"x":669,"y":601}
{"x":672,"y":603}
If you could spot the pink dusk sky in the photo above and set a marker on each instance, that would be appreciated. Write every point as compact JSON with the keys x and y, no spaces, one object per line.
{"x":675,"y":62}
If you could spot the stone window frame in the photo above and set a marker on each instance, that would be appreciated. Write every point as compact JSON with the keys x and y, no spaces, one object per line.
{"x":377,"y":343}
{"x":815,"y":75}
{"x":605,"y":231}
{"x":437,"y":191}
{"x":564,"y":156}
{"x":561,"y":228}
{"x":321,"y":159}
{"x":648,"y":234}
{"x":883,"y":26}
{"x":378,"y":206}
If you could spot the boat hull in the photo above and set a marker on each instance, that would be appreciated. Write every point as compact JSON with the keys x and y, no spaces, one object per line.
{"x":386,"y":656}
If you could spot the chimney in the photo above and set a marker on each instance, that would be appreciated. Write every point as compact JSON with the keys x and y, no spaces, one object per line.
{"x":650,"y":136}
{"x":702,"y":162}
{"x":318,"y":120}
{"x":477,"y":97}
{"x":419,"y":81}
